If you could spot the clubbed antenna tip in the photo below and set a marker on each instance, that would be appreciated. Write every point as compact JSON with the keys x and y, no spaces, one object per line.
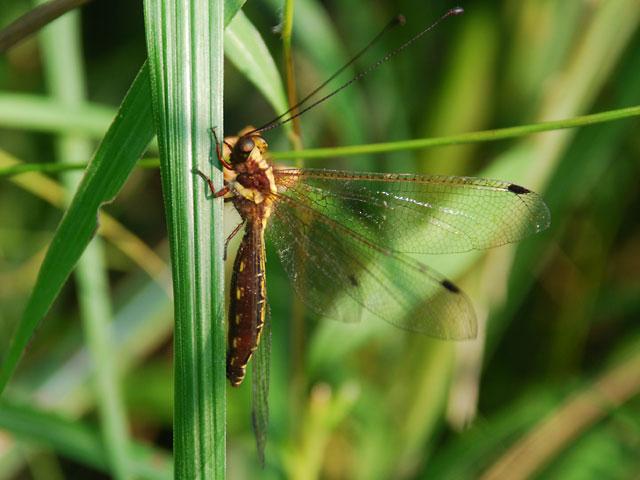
{"x":456,"y":11}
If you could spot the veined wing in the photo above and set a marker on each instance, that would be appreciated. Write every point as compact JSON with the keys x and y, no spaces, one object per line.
{"x":260,"y":388}
{"x":455,"y":214}
{"x":338,"y":272}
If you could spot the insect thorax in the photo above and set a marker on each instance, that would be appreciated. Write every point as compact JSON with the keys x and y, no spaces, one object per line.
{"x":250,"y":175}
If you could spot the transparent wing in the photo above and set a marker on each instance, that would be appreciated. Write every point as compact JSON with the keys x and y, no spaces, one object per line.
{"x":339,"y":272}
{"x":260,"y":388}
{"x":455,"y":214}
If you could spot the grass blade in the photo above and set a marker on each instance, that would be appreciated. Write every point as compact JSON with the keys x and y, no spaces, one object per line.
{"x":34,"y":20}
{"x":387,"y":147}
{"x":124,"y":143}
{"x":113,"y":231}
{"x":62,"y":56}
{"x":77,"y":441}
{"x":35,"y":112}
{"x":244,"y":47}
{"x":463,"y":138}
{"x":185,"y":46}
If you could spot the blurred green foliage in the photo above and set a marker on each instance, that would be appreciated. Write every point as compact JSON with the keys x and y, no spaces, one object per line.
{"x":549,"y":390}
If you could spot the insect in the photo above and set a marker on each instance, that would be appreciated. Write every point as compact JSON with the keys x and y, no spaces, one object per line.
{"x":346,"y":236}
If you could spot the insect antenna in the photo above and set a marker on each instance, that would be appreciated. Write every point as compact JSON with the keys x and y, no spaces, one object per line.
{"x":398,"y":20}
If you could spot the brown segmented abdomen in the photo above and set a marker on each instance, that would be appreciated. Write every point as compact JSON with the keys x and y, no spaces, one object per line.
{"x":248,"y":301}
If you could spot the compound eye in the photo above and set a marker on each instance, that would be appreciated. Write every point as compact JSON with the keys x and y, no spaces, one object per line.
{"x":246,"y":145}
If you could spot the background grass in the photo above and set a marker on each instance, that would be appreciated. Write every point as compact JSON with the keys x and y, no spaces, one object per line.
{"x":550,"y":389}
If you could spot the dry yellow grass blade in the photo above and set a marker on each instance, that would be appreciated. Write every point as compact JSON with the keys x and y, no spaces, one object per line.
{"x":568,"y":422}
{"x":112,"y":230}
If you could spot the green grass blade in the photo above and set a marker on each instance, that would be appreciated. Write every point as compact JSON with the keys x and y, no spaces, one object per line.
{"x":386,"y":147}
{"x":18,"y":169}
{"x":185,"y":46}
{"x":143,"y":322}
{"x":124,"y":143}
{"x":464,"y":138}
{"x":77,"y":441}
{"x":62,"y":56}
{"x":45,"y":114}
{"x":244,"y":47}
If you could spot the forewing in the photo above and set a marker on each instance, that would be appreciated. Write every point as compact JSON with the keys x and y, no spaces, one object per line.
{"x":338,"y":272}
{"x":453,"y":214}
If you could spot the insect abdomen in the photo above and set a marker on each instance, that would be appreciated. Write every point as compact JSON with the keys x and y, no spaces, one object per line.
{"x":248,"y":303}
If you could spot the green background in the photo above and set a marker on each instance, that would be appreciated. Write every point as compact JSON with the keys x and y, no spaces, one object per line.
{"x":549,"y":389}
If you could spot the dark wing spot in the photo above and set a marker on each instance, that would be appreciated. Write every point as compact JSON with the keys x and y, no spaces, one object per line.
{"x":450,"y":286}
{"x":517,"y":189}
{"x":353,"y":280}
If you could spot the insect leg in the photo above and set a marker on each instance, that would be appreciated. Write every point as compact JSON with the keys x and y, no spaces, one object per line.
{"x":233,"y":234}
{"x":223,"y":191}
{"x":219,"y":150}
{"x":219,"y":193}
